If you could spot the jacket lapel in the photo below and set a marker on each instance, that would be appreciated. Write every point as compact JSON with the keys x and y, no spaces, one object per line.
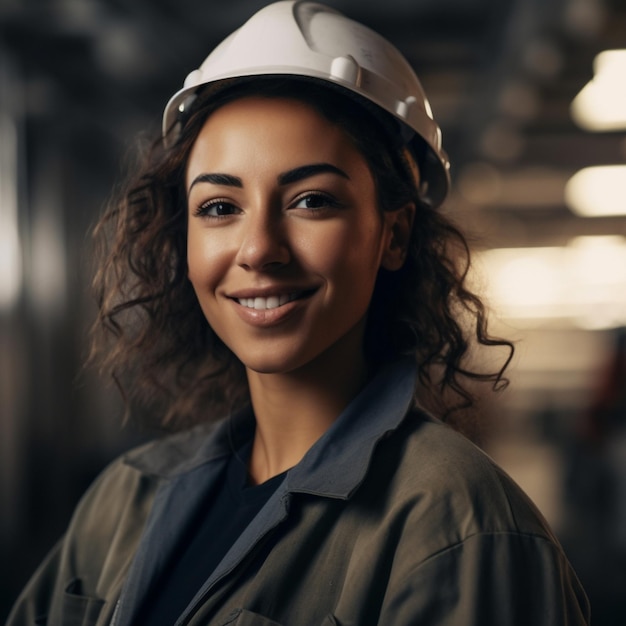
{"x":176,"y":503}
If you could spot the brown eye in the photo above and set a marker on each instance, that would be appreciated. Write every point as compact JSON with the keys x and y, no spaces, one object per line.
{"x":315,"y":201}
{"x":216,"y":208}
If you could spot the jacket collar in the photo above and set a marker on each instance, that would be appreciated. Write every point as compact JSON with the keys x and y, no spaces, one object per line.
{"x":333,"y":467}
{"x":337,"y":463}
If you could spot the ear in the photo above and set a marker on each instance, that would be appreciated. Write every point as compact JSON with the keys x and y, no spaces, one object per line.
{"x":399,"y":226}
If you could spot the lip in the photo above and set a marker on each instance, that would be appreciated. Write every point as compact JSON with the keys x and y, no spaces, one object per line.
{"x":269,"y":291}
{"x":264,"y":318}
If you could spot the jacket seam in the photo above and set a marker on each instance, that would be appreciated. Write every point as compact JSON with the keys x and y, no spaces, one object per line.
{"x":497,"y":533}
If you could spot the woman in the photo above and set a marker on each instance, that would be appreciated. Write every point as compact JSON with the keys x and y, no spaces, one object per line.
{"x":280,"y":259}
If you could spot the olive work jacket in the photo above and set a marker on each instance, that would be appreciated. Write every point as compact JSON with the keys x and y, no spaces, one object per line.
{"x":391,"y":518}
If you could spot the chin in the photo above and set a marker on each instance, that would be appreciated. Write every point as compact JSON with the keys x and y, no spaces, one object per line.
{"x":265,"y":366}
{"x":269,"y":363}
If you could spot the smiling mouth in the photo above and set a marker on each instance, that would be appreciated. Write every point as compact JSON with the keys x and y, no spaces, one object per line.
{"x":272,"y":302}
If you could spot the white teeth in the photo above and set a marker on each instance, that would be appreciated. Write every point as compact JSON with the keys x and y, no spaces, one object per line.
{"x":272,"y":302}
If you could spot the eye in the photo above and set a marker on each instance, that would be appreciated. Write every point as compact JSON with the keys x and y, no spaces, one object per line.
{"x":315,"y":201}
{"x":216,"y":209}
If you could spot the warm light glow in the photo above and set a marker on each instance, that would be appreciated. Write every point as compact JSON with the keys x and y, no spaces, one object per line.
{"x":597,"y":191}
{"x":10,"y":249}
{"x":524,"y":282}
{"x":601,"y":104}
{"x":583,"y":283}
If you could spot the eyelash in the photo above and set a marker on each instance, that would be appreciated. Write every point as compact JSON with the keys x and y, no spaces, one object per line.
{"x":203,"y":209}
{"x":329,"y":202}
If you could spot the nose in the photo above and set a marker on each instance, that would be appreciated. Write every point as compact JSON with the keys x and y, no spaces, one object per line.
{"x":264,"y":244}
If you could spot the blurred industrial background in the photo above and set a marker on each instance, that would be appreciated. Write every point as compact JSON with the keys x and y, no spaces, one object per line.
{"x":80,"y":78}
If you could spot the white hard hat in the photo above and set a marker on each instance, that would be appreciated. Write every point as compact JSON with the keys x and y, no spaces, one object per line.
{"x":311,"y":40}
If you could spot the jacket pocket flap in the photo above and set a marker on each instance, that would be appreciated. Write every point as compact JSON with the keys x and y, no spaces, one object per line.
{"x":79,"y":609}
{"x":241,"y":617}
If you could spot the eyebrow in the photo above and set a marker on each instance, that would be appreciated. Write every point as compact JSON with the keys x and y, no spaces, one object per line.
{"x":217,"y":179}
{"x":287,"y":178}
{"x":306,"y":171}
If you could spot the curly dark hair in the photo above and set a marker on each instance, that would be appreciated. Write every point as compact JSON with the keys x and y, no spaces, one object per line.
{"x":152,"y":337}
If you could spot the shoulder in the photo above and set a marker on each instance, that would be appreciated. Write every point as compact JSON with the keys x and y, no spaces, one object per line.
{"x":107,"y":524}
{"x":452,"y":486}
{"x":109,"y":520}
{"x":468,"y":538}
{"x":116,"y":505}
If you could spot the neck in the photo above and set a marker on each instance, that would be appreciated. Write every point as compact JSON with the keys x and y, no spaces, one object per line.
{"x":294,"y":409}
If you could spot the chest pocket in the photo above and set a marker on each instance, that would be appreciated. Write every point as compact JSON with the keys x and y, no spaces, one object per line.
{"x":241,"y":617}
{"x":78,"y":609}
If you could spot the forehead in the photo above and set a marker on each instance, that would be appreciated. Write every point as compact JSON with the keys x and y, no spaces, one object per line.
{"x":257,"y":128}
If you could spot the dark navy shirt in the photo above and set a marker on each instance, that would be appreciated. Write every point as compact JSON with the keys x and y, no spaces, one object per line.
{"x":219,"y":522}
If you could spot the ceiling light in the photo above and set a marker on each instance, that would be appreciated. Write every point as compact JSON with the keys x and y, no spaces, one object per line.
{"x":601,"y":104}
{"x":10,"y":248}
{"x":583,"y":283}
{"x":597,"y":191}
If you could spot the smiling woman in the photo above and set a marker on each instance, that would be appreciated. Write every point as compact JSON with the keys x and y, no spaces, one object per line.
{"x":279,"y":275}
{"x":310,"y":234}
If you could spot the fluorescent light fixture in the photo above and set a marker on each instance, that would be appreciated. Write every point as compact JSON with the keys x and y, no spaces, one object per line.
{"x":10,"y":247}
{"x":597,"y":191}
{"x":583,"y":283}
{"x":525,"y":282}
{"x":601,"y":104}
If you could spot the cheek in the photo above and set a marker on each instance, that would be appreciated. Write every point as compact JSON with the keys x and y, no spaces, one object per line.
{"x":195,"y":256}
{"x":349,"y":254}
{"x":205,"y":259}
{"x":355,"y":244}
{"x":344,"y":242}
